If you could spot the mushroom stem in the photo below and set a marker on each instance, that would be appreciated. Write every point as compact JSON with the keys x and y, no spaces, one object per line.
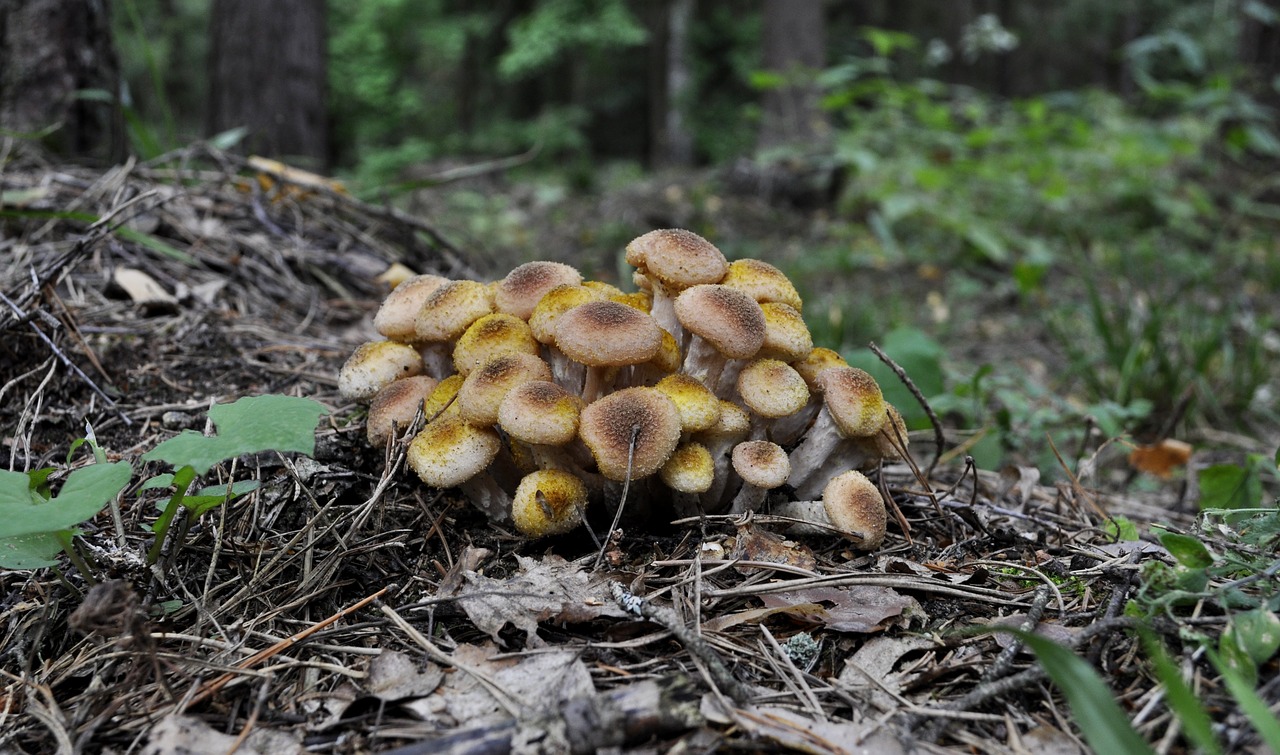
{"x":846,"y":454}
{"x":487,"y":495}
{"x":818,"y":444}
{"x":437,"y":358}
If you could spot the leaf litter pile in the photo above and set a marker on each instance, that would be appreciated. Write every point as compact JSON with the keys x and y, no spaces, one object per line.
{"x":329,"y":602}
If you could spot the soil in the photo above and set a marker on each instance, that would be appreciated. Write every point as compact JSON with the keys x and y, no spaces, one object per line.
{"x":262,"y":624}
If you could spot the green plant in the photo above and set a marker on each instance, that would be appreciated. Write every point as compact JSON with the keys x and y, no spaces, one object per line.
{"x":35,"y":523}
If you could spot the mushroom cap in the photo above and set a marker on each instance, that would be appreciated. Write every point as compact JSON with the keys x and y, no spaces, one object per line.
{"x":485,"y":387}
{"x":786,"y":336}
{"x":772,"y":388}
{"x":677,"y":258}
{"x":490,"y":336}
{"x":641,"y":300}
{"x":761,"y":463}
{"x":443,"y":400}
{"x":553,"y":304}
{"x":394,"y":407}
{"x":519,"y":292}
{"x":855,"y":507}
{"x":885,"y":443}
{"x":668,"y":358}
{"x":732,"y":422}
{"x":762,"y":282}
{"x":854,"y":400}
{"x":728,"y":319}
{"x":818,"y":361}
{"x":548,"y":502}
{"x":608,"y":290}
{"x":396,"y":317}
{"x":450,"y":451}
{"x":608,"y":334}
{"x":699,"y":407}
{"x":374,"y":365}
{"x":690,"y":469}
{"x":608,"y":425}
{"x":540,"y":412}
{"x":449,"y":310}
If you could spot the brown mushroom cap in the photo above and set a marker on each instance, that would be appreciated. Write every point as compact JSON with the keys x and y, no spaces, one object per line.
{"x":786,"y":336}
{"x":854,"y":400}
{"x":608,"y":425}
{"x":540,"y":412}
{"x":729,"y":320}
{"x":819,"y":360}
{"x":451,"y":309}
{"x":491,"y":336}
{"x":394,"y":407}
{"x":699,"y":407}
{"x":546,"y":314}
{"x":608,"y":334}
{"x":396,"y":317}
{"x":761,"y":463}
{"x":485,"y":387}
{"x":519,"y":292}
{"x":762,"y":282}
{"x":374,"y":365}
{"x":677,"y":258}
{"x":689,"y":470}
{"x":855,"y":507}
{"x":548,"y":502}
{"x":450,"y":451}
{"x":772,"y":388}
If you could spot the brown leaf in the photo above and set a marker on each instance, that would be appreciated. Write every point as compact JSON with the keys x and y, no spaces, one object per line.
{"x":394,"y":676}
{"x":858,"y":608}
{"x":753,"y":544}
{"x":1160,"y":458}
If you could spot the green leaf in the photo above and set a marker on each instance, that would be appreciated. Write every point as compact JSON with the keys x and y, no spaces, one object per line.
{"x":34,"y":551}
{"x":920,"y":356}
{"x":1187,"y":550}
{"x":1121,"y":529}
{"x":1254,"y":708}
{"x":1104,"y":725}
{"x":1230,"y":486}
{"x":86,"y":491}
{"x":1195,"y":720}
{"x":216,"y":495}
{"x":1256,"y":632}
{"x":249,"y":425}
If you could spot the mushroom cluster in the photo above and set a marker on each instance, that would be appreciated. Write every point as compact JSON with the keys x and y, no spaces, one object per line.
{"x":543,"y":391}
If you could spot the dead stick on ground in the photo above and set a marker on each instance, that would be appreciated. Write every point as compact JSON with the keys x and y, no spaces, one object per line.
{"x":281,"y":646}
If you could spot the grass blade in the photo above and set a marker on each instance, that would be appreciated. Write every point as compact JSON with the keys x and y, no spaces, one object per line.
{"x":1253,"y":706}
{"x":1196,"y":724}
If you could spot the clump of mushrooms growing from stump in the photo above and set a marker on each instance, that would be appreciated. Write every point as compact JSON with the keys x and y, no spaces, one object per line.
{"x":543,"y":392}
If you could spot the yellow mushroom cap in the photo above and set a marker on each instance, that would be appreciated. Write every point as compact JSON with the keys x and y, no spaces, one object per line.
{"x":485,"y":387}
{"x":818,"y":361}
{"x":699,"y":407}
{"x":771,"y":388}
{"x":519,"y":292}
{"x":762,"y":282}
{"x":641,"y":300}
{"x":668,"y":358}
{"x":540,"y":412}
{"x":557,"y":301}
{"x":491,"y":336}
{"x":855,"y":507}
{"x":394,"y":407}
{"x":443,"y":399}
{"x":608,"y":425}
{"x":854,"y":400}
{"x":607,"y":290}
{"x":451,"y":309}
{"x":732,"y":422}
{"x":761,"y":463}
{"x":374,"y":365}
{"x":548,"y":502}
{"x":396,"y":317}
{"x":677,"y":258}
{"x":689,"y":470}
{"x":885,"y":443}
{"x":786,"y":336}
{"x":450,"y":451}
{"x":728,"y":319}
{"x":608,"y":334}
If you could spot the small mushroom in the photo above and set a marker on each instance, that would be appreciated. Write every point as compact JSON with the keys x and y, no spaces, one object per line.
{"x":374,"y":365}
{"x":548,"y":502}
{"x":689,"y":472}
{"x":672,"y":260}
{"x":606,"y":335}
{"x":762,"y":282}
{"x":544,"y":416}
{"x":786,"y":336}
{"x":490,"y":336}
{"x":763,"y":466}
{"x":484,"y":388}
{"x":522,"y":289}
{"x":396,"y":317}
{"x":722,"y":324}
{"x":451,"y":452}
{"x":394,"y":407}
{"x":772,"y":390}
{"x":851,"y":506}
{"x":852,"y":407}
{"x":542,"y":323}
{"x":731,"y":427}
{"x":699,"y":408}
{"x":609,"y":425}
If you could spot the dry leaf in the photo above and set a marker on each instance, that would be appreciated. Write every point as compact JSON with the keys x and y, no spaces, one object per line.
{"x":548,"y":590}
{"x":871,"y":671}
{"x":753,"y":544}
{"x":191,"y":736}
{"x":394,"y":676}
{"x":793,"y":731}
{"x":858,"y":608}
{"x":1160,"y":458}
{"x":143,"y":290}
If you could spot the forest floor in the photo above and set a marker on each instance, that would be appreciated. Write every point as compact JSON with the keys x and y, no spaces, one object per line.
{"x":346,"y":608}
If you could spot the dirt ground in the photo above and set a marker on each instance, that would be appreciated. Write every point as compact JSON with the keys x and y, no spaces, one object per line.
{"x":344,"y":607}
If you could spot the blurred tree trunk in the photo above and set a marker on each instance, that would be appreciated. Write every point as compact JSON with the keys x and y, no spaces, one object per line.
{"x":794,"y":49}
{"x":50,"y":51}
{"x":1259,"y":49}
{"x":670,"y":83}
{"x":267,"y":71}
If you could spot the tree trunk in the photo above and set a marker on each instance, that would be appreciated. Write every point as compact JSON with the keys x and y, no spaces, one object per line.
{"x":794,"y":49}
{"x":267,"y":72}
{"x":673,"y":141}
{"x":50,"y":52}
